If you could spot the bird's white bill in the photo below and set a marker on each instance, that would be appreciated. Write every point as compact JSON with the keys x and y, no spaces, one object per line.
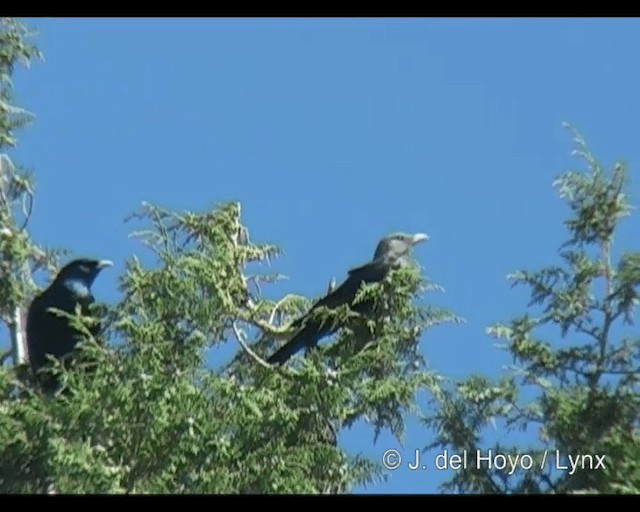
{"x":420,"y":237}
{"x":105,"y":263}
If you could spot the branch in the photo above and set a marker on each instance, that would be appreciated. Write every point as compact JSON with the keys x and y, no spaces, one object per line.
{"x":18,"y":342}
{"x":333,"y":430}
{"x":6,"y":167}
{"x":276,"y":307}
{"x":269,"y":331}
{"x":524,"y":414}
{"x":240,"y":337}
{"x":626,"y":373}
{"x":4,"y":202}
{"x":608,"y":320}
{"x":593,"y":332}
{"x":546,"y":479}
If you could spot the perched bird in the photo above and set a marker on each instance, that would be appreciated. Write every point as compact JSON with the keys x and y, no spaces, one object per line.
{"x":47,"y":332}
{"x":391,"y":252}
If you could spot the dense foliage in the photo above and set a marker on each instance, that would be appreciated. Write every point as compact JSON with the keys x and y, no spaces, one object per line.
{"x":165,"y":411}
{"x":579,"y":393}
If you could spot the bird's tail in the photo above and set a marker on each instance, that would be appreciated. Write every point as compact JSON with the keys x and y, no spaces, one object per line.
{"x":285,"y":352}
{"x":307,"y":337}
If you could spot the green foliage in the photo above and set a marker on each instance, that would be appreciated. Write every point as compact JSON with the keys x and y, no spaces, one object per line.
{"x":153,"y":418}
{"x":580,"y":394}
{"x":14,"y":49}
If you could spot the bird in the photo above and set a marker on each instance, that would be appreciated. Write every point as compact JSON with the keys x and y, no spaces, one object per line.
{"x":51,"y":334}
{"x":391,"y":252}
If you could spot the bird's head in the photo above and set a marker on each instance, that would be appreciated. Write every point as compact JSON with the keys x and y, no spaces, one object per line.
{"x":81,"y":273}
{"x":398,"y":245}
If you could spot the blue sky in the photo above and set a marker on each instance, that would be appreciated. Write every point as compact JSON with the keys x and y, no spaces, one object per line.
{"x":332,"y":133}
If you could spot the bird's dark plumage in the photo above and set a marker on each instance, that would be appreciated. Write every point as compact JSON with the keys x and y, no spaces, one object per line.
{"x":392,"y":251}
{"x":47,"y":332}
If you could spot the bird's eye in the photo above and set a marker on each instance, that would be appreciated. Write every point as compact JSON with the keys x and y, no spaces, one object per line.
{"x":85,"y":269}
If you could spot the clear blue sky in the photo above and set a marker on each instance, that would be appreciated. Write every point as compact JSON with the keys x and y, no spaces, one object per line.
{"x":333,"y":133}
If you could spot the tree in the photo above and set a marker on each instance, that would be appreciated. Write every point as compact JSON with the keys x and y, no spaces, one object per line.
{"x":19,"y":256}
{"x":161,"y":413}
{"x":580,"y":394}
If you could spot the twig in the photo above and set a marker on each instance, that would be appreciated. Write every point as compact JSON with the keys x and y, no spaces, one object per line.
{"x":5,"y":355}
{"x":240,"y":337}
{"x":27,"y":206}
{"x":255,"y":282}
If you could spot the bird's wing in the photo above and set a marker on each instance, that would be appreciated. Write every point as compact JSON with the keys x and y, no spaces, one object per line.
{"x":312,"y":330}
{"x":371,"y":271}
{"x":47,"y":333}
{"x":345,"y":293}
